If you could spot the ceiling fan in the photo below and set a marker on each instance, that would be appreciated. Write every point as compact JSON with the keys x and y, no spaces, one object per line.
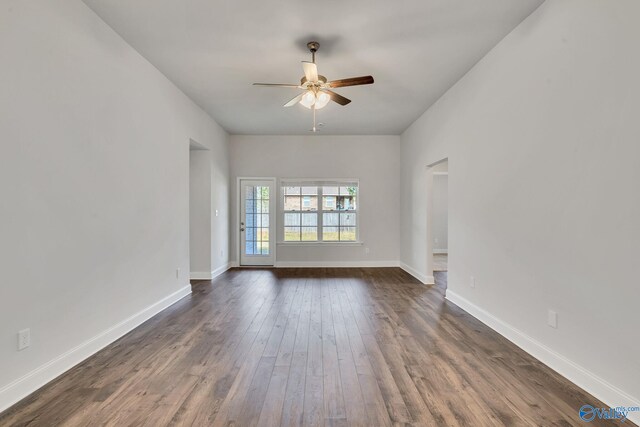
{"x":317,"y":90}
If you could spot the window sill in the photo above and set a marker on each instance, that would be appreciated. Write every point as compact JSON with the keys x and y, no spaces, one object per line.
{"x":320,"y":243}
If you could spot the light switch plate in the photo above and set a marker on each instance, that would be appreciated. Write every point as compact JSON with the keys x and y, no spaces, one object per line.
{"x":24,"y":339}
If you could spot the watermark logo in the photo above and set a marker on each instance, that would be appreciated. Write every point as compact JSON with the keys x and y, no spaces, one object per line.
{"x":589,"y":413}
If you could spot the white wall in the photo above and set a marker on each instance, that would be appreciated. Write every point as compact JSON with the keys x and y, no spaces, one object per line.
{"x":374,"y":160}
{"x":542,"y":137}
{"x":94,"y":180}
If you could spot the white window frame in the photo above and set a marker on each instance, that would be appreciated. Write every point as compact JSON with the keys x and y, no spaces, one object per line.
{"x":323,"y":182}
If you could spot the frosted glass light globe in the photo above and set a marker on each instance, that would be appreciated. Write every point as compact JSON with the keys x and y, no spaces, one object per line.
{"x":308,"y":99}
{"x":322,"y":99}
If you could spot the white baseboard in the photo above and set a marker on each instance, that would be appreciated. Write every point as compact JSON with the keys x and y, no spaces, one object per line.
{"x":233,"y":264}
{"x":427,"y":280}
{"x":335,"y":264}
{"x":588,"y":381}
{"x":218,"y":271}
{"x":210,"y":275}
{"x":15,"y":391}
{"x":200,"y":275}
{"x":441,"y":251}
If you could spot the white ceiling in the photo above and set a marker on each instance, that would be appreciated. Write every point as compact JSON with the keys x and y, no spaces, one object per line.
{"x":214,"y":49}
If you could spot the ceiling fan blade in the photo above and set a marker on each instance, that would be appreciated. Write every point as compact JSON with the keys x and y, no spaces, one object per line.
{"x":310,"y":71}
{"x":337,"y":98}
{"x":294,"y":101}
{"x":275,"y":85}
{"x":353,"y":81}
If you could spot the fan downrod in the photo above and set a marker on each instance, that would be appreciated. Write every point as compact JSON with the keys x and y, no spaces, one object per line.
{"x":313,"y":47}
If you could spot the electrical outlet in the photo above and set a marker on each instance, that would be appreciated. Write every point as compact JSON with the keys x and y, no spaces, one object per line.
{"x":24,"y":339}
{"x":366,"y":250}
{"x":472,"y":282}
{"x":552,"y":319}
{"x":216,"y":212}
{"x":177,"y":273}
{"x":435,"y":240}
{"x":221,"y":253}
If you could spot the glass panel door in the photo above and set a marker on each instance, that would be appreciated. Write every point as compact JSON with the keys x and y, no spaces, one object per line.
{"x":257,"y":237}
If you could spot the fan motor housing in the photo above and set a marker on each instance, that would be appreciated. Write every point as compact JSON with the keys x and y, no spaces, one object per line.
{"x":303,"y":80}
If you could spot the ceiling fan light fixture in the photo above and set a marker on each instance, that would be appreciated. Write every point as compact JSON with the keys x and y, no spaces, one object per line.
{"x":317,"y":90}
{"x":322,"y":99}
{"x":308,"y":99}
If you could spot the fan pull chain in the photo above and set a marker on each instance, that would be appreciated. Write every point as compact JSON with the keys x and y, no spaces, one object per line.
{"x":314,"y":118}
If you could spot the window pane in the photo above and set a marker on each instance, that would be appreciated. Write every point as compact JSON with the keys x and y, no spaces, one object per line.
{"x":348,"y":191}
{"x":330,"y":191}
{"x":264,"y":221}
{"x":250,"y":248}
{"x":330,"y":219}
{"x":263,"y":248}
{"x":251,"y":193}
{"x":346,"y":203}
{"x":309,"y":191}
{"x":309,"y":203}
{"x":348,"y":219}
{"x":263,"y":193}
{"x":292,"y":234}
{"x":309,"y":233}
{"x":251,"y":234}
{"x":291,"y":219}
{"x":330,"y":233}
{"x":347,"y":234}
{"x":292,"y":191}
{"x":309,"y":219}
{"x":250,"y":220}
{"x":262,"y":206}
{"x":350,"y":204}
{"x":250,"y":206}
{"x":291,"y":203}
{"x":263,"y":234}
{"x":329,"y":203}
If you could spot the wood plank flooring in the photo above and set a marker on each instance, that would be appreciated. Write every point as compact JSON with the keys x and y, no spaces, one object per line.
{"x":309,"y":347}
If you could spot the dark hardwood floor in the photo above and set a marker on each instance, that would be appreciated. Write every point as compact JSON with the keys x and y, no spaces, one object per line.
{"x":271,"y":347}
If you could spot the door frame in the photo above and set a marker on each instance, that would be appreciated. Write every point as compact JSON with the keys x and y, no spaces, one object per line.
{"x":236,"y":221}
{"x":199,"y":152}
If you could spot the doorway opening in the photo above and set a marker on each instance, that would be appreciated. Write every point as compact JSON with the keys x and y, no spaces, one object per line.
{"x":438,"y":225}
{"x":199,"y":212}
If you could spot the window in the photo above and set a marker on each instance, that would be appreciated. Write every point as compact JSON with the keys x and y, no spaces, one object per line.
{"x":322,"y":212}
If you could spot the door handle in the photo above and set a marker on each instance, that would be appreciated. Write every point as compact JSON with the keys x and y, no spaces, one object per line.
{"x":242,"y":229}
